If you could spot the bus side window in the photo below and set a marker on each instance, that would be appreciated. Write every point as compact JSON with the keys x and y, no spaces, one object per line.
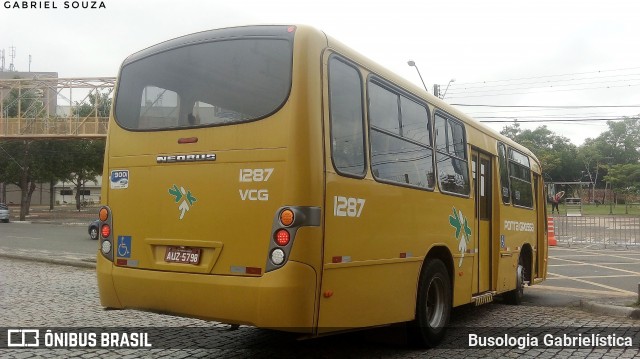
{"x":400,"y":137}
{"x":504,"y":173}
{"x":347,"y":122}
{"x":451,"y":156}
{"x":520,"y":176}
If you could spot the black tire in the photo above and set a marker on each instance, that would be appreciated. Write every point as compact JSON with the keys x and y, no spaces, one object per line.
{"x":515,"y":296}
{"x":433,"y":305}
{"x":93,"y":233}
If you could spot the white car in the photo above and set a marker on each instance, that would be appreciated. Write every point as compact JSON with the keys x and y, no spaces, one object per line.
{"x":4,"y":213}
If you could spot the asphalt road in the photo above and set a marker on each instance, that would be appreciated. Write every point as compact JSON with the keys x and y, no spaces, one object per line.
{"x":47,"y":238}
{"x":594,"y":273}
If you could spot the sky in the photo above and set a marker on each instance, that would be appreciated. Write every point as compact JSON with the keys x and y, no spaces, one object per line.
{"x":549,"y":58}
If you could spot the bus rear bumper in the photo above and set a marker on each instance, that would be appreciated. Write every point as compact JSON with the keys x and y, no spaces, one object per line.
{"x":283,"y":299}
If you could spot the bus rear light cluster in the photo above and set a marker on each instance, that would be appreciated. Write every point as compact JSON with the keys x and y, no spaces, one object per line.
{"x":283,"y":232}
{"x":286,"y":222}
{"x":106,"y":234}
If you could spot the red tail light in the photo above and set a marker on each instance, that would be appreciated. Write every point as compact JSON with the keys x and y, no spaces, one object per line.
{"x":105,"y":230}
{"x":282,"y":237}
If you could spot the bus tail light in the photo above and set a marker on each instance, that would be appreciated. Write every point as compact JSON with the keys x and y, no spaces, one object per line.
{"x":282,"y":237}
{"x":106,"y":232}
{"x":286,"y":222}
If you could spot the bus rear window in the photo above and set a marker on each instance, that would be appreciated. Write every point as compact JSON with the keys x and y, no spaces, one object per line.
{"x":206,"y":84}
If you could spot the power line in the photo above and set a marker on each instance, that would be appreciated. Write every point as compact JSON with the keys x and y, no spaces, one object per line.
{"x":551,"y":83}
{"x":557,"y":117}
{"x":545,"y":106}
{"x":559,"y":120}
{"x":541,"y":89}
{"x":542,"y":85}
{"x":578,"y":81}
{"x":547,"y":76}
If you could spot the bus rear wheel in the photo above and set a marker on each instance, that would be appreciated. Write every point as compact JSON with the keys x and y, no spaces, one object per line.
{"x":515,"y":296}
{"x":433,"y":305}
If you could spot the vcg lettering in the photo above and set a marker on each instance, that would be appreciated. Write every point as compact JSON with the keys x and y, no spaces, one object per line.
{"x":254,"y":194}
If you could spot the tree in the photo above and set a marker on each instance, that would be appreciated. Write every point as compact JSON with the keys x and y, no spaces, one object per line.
{"x":23,"y":103}
{"x":622,"y":140}
{"x":23,"y":160}
{"x":620,"y":144}
{"x":625,"y":178}
{"x":99,"y":105}
{"x":85,"y":164}
{"x":58,"y":154}
{"x":22,"y":166}
{"x":28,"y":162}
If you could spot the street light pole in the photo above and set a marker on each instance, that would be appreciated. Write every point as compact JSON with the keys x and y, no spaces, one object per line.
{"x":412,"y":63}
{"x":445,"y":90}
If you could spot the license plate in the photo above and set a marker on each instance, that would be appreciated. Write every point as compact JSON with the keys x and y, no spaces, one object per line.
{"x":182,"y":255}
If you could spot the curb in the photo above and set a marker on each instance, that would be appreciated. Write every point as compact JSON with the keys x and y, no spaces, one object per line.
{"x":79,"y":263}
{"x":52,"y":222}
{"x":612,"y":310}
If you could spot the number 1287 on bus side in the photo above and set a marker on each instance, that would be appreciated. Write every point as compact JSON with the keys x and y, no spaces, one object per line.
{"x":347,"y":206}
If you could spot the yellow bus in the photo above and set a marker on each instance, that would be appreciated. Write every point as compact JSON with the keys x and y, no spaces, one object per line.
{"x":271,"y":176}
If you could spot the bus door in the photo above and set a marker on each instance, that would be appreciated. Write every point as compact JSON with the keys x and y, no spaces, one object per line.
{"x":482,"y":187}
{"x":540,"y":227}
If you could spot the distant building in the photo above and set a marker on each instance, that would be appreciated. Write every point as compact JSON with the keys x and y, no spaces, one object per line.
{"x":65,"y":193}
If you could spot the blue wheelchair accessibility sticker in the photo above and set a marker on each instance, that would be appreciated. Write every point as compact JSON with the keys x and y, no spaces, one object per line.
{"x":124,"y":246}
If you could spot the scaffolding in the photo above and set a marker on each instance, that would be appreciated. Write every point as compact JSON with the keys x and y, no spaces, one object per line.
{"x":52,"y":107}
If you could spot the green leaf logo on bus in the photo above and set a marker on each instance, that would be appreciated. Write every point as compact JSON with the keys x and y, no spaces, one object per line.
{"x":185,"y":198}
{"x":463,"y":232}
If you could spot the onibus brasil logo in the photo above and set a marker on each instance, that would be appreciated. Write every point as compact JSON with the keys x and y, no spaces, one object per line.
{"x":183,"y":195}
{"x":463,"y":232}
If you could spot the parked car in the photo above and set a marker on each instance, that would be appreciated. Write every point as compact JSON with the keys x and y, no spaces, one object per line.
{"x":4,"y":213}
{"x":93,"y":229}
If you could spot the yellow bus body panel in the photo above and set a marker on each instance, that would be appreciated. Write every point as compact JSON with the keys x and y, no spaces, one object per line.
{"x":282,"y":299}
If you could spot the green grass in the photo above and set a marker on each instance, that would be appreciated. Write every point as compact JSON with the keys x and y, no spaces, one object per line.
{"x":602,"y":210}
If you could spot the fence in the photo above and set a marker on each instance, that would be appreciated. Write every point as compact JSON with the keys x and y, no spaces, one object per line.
{"x":598,"y":231}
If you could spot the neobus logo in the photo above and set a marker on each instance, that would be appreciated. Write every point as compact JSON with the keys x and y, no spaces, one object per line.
{"x":186,"y":158}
